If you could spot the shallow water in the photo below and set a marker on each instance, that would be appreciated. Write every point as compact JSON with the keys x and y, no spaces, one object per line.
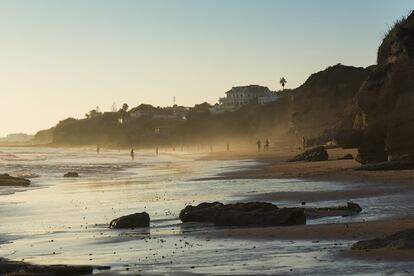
{"x":59,"y":220}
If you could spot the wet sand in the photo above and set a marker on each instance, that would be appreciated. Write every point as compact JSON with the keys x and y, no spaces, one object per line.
{"x":365,"y":184}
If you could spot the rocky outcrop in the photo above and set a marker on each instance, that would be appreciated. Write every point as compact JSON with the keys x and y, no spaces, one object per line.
{"x":386,"y":98}
{"x":243,"y":214}
{"x":403,"y":162}
{"x":136,"y":220}
{"x":315,"y":154}
{"x":71,"y":174}
{"x":7,"y":180}
{"x":400,"y":240}
{"x":350,"y":209}
{"x":8,"y":267}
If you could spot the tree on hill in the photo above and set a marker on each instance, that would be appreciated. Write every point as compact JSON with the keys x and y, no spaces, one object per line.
{"x":283,"y":81}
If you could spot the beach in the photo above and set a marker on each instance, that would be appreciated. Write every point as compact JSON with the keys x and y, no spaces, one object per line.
{"x":65,"y":221}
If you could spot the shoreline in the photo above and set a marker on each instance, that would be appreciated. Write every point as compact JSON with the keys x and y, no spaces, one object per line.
{"x":362,"y":184}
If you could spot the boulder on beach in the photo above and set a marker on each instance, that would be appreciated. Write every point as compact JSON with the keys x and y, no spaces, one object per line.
{"x":243,"y":214}
{"x":314,"y":154}
{"x":7,"y":180}
{"x":136,"y":220}
{"x":350,"y":209}
{"x":400,"y":240}
{"x":403,"y":162}
{"x":71,"y":174}
{"x":8,"y":267}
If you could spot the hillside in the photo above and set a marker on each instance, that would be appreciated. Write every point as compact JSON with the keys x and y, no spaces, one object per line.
{"x":322,"y":103}
{"x":313,"y":110}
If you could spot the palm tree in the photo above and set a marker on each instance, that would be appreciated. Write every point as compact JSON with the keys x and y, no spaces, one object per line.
{"x":283,"y":81}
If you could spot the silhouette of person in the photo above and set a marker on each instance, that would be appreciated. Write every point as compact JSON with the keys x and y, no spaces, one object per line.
{"x":267,"y":144}
{"x":98,"y":149}
{"x":132,"y":154}
{"x":303,"y":142}
{"x":259,"y":145}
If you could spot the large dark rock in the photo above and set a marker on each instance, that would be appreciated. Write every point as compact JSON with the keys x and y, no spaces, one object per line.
{"x":350,"y":209}
{"x":403,"y":162}
{"x":136,"y":220}
{"x":8,"y":267}
{"x":243,"y":214}
{"x":7,"y":180}
{"x":400,"y":240}
{"x":386,"y":98}
{"x":71,"y":174}
{"x":315,"y":154}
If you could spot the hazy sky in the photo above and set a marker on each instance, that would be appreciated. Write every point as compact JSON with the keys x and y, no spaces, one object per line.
{"x":62,"y":58}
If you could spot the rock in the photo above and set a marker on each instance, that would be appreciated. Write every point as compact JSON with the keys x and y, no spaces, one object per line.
{"x":386,"y":98}
{"x":346,"y":157}
{"x":348,"y":138}
{"x":71,"y":174}
{"x":349,"y":210}
{"x":315,"y":154}
{"x":7,"y":180}
{"x":136,"y":220}
{"x":400,"y":240}
{"x":403,"y":162}
{"x":8,"y":267}
{"x":243,"y":214}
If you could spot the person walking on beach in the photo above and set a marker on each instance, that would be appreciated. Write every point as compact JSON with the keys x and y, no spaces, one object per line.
{"x":259,"y":145}
{"x":267,"y":144}
{"x":156,"y":151}
{"x":303,"y":142}
{"x":98,"y":149}
{"x":132,"y":154}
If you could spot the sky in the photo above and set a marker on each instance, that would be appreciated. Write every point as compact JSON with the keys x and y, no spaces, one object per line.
{"x":61,"y":59}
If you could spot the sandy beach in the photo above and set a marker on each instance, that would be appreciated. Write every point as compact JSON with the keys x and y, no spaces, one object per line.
{"x":75,"y":212}
{"x":365,"y":184}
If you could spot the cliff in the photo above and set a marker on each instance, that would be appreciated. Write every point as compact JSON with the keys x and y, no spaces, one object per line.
{"x":386,"y":98}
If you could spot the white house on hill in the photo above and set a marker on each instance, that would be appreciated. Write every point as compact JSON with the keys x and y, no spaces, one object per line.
{"x":242,"y":95}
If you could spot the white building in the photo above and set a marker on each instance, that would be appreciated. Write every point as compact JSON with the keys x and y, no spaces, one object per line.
{"x":242,"y":95}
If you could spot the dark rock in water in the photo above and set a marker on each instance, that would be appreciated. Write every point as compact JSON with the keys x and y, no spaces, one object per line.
{"x":404,"y":162}
{"x":386,"y":98}
{"x":349,"y":210}
{"x":7,"y":180}
{"x":400,"y":240}
{"x":315,"y":154}
{"x":346,"y":157}
{"x":71,"y":174}
{"x":8,"y":267}
{"x":243,"y":214}
{"x":136,"y":220}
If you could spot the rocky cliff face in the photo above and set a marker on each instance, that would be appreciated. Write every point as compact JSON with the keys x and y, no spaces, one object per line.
{"x":386,"y":98}
{"x":320,"y":105}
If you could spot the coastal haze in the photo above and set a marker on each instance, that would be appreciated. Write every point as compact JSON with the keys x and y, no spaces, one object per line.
{"x":62,"y":59}
{"x":207,"y":138}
